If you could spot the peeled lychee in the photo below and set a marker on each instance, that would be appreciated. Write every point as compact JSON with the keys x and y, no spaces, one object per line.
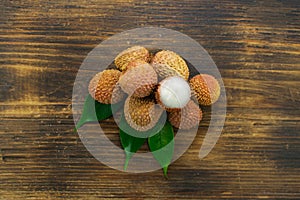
{"x":187,"y":117}
{"x":141,"y":114}
{"x":205,"y":88}
{"x":173,"y":93}
{"x":131,"y":54}
{"x":104,"y":87}
{"x":139,"y":81}
{"x":171,"y":60}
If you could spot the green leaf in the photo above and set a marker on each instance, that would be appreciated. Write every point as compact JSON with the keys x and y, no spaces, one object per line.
{"x":103,"y":111}
{"x":162,"y":146}
{"x":131,"y":145}
{"x":132,"y":140}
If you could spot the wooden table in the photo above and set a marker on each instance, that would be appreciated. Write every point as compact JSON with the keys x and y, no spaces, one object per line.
{"x":255,"y":44}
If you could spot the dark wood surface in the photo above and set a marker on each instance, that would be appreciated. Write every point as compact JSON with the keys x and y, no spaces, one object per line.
{"x":255,"y":44}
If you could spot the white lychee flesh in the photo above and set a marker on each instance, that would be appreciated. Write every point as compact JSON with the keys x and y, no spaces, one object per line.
{"x":174,"y":92}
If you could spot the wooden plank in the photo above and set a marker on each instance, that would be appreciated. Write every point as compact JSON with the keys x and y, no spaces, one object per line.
{"x":256,"y":46}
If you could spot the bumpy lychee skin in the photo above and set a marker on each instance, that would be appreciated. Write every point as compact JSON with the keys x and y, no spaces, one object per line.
{"x":131,"y":54}
{"x":142,"y":114}
{"x":186,"y":118}
{"x":173,"y":93}
{"x":139,"y":81}
{"x":104,"y":87}
{"x":205,"y":88}
{"x":135,"y":63}
{"x":173,"y":60}
{"x":164,"y":71}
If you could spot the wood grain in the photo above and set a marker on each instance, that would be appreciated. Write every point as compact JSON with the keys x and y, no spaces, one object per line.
{"x":256,"y":46}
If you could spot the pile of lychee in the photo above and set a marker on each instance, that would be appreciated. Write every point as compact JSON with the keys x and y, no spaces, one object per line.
{"x":151,"y":83}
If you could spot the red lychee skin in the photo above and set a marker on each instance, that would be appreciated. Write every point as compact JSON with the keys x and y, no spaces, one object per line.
{"x":186,"y":118}
{"x":173,"y":61}
{"x":104,"y":87}
{"x":139,"y":81}
{"x":131,"y":54}
{"x":135,"y":63}
{"x":205,"y":88}
{"x":164,"y":71}
{"x":141,"y":114}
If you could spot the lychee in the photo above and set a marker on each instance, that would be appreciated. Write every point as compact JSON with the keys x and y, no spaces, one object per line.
{"x":205,"y":88}
{"x":141,"y":114}
{"x":131,"y":54}
{"x":187,"y":117}
{"x":104,"y":87}
{"x":139,"y":81}
{"x":164,"y":71}
{"x":173,"y":93}
{"x":171,"y":60}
